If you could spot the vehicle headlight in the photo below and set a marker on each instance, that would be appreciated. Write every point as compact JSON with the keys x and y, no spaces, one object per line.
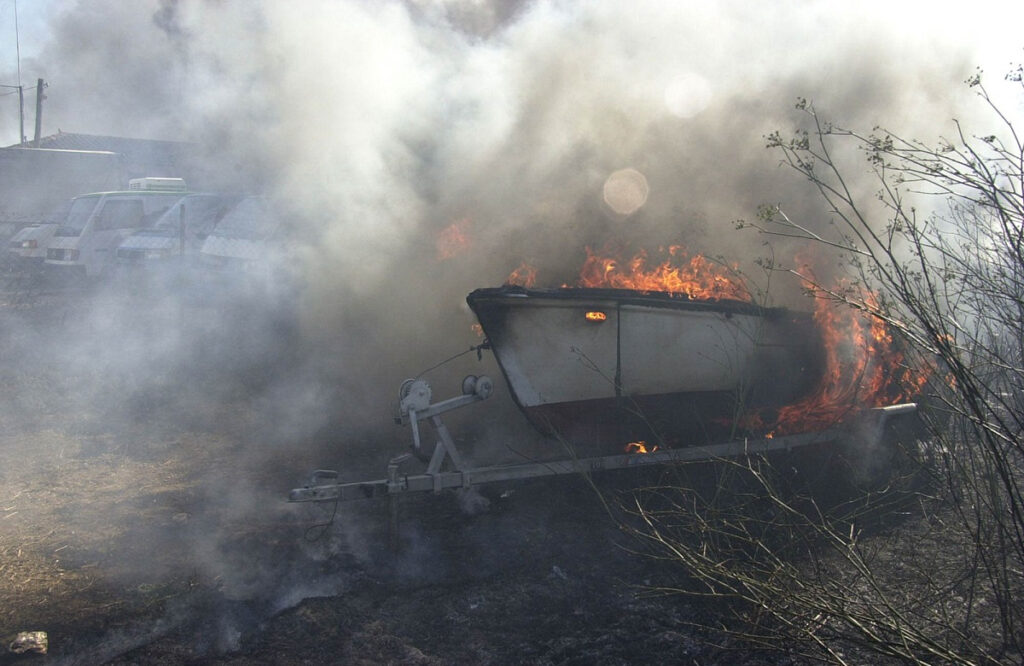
{"x":62,"y":255}
{"x":29,"y":244}
{"x":156,"y":254}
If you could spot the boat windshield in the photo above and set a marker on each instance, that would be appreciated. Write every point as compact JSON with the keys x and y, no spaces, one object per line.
{"x":79,"y":213}
{"x":251,"y":219}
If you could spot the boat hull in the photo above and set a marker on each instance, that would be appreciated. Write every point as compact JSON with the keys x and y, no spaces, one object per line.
{"x":642,"y":365}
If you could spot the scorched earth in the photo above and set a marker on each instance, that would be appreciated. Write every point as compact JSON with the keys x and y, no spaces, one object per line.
{"x":142,"y":517}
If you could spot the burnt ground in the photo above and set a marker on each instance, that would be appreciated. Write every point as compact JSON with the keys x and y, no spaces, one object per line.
{"x":142,"y":521}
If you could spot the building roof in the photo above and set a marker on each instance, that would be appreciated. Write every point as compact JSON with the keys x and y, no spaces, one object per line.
{"x":143,"y":157}
{"x":115,"y":144}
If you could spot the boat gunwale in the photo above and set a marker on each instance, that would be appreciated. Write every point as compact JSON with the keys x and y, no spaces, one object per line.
{"x":511,"y":294}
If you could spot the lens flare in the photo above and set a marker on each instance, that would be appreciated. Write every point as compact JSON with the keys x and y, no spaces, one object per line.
{"x":626,"y":191}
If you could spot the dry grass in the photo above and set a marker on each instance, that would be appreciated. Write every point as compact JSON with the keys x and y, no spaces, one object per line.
{"x":108,"y":512}
{"x":67,"y":525}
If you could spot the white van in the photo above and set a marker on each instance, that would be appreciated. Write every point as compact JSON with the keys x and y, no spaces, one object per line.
{"x":87,"y":240}
{"x":242,"y":241}
{"x":27,"y":248}
{"x":250,"y":253}
{"x":178,"y":233}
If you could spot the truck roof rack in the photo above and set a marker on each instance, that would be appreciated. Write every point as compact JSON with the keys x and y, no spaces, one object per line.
{"x":151,"y":183}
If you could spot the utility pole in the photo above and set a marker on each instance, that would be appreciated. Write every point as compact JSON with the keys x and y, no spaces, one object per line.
{"x":39,"y":111}
{"x":21,"y":114}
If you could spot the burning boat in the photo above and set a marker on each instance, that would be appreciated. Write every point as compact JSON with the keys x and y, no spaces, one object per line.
{"x":613,"y":365}
{"x":679,"y":357}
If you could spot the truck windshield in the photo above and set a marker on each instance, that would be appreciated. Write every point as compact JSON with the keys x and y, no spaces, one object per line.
{"x":120,"y":214}
{"x":58,"y":214}
{"x":78,"y":215}
{"x":250,"y":219}
{"x":201,"y":214}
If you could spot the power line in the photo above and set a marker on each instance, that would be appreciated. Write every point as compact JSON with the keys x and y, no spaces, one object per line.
{"x":14,"y":89}
{"x":17,"y":41}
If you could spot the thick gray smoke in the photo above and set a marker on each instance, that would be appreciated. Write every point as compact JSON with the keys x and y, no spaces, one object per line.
{"x":384,"y":123}
{"x":427,"y":148}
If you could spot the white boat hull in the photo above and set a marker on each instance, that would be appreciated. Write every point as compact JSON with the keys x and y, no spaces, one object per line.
{"x":644,"y":350}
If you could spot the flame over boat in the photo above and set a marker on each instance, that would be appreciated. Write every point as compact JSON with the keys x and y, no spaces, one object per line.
{"x":678,"y":349}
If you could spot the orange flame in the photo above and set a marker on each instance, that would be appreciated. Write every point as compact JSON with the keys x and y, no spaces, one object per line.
{"x":524,"y":276}
{"x":694,"y":276}
{"x":639,"y":447}
{"x":453,"y":240}
{"x":864,"y":367}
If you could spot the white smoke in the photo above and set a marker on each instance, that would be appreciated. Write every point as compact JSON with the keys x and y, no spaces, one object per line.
{"x":380,"y":124}
{"x":388,"y":121}
{"x":383,"y":123}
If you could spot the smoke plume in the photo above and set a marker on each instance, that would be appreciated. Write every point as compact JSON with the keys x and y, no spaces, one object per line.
{"x":425,"y":148}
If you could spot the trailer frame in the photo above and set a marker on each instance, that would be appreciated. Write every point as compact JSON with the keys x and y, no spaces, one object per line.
{"x":415,"y":406}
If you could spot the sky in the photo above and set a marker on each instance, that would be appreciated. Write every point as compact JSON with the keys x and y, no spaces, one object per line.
{"x":33,"y":17}
{"x":32,"y":23}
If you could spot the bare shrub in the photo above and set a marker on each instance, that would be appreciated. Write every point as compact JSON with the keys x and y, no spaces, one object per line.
{"x":941,"y":250}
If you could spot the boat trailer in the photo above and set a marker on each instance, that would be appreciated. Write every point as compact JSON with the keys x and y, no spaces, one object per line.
{"x":446,"y":468}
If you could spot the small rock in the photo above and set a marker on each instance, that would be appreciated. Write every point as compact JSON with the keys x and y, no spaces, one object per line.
{"x":30,"y":641}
